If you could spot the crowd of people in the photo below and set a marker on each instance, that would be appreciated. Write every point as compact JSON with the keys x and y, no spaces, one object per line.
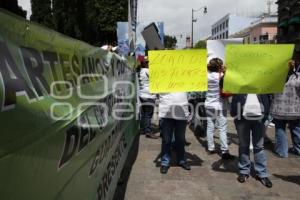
{"x":249,"y":111}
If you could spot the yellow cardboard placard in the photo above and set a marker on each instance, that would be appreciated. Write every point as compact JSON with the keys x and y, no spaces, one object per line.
{"x":256,"y":69}
{"x":177,"y":71}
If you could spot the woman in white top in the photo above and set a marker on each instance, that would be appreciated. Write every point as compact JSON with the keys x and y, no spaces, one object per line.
{"x":216,"y":110}
{"x":147,"y":101}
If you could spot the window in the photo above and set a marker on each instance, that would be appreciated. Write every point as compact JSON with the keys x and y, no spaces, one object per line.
{"x":263,"y":38}
{"x":226,"y":34}
{"x":223,"y":35}
{"x":227,"y":23}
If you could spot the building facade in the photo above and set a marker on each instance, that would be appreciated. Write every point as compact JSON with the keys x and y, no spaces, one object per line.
{"x":261,"y":31}
{"x":188,"y":42}
{"x":289,"y":22}
{"x":228,"y":25}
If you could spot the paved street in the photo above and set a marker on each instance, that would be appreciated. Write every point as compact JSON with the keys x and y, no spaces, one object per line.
{"x":210,"y":177}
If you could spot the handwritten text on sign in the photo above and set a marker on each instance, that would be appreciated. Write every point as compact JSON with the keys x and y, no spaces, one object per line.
{"x":177,"y":71}
{"x":256,"y":69}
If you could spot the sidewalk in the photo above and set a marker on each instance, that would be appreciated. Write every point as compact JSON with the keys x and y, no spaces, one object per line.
{"x":210,"y":177}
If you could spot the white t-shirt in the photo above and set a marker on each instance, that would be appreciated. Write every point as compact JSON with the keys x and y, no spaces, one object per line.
{"x":213,"y":98}
{"x":173,"y":105}
{"x":144,"y":84}
{"x":252,"y":106}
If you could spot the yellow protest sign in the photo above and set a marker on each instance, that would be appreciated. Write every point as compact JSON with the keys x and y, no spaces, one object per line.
{"x":256,"y":69}
{"x":177,"y":71}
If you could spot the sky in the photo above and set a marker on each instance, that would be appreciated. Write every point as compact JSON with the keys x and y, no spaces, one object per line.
{"x":25,"y":4}
{"x":177,"y":14}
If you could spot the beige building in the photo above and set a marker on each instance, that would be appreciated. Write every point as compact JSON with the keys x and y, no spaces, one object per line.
{"x":262,"y":31}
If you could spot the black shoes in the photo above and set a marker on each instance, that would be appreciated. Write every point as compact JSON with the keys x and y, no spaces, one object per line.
{"x":227,"y":156}
{"x":293,"y":151}
{"x":186,"y":143}
{"x":151,"y":135}
{"x":211,"y":152}
{"x":185,"y":166}
{"x":265,"y":181}
{"x":242,"y":178}
{"x":164,"y":169}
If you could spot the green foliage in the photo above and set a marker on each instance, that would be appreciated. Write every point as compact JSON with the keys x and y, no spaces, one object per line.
{"x":12,"y":6}
{"x":41,"y":12}
{"x":102,"y":18}
{"x":170,"y":42}
{"x":93,"y":21}
{"x":200,"y":45}
{"x":70,"y":18}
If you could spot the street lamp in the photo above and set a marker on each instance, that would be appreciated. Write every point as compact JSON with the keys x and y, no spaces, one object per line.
{"x":194,"y":20}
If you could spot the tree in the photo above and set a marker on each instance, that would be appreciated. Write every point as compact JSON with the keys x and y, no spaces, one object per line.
{"x":200,"y":44}
{"x":93,"y":21}
{"x":70,"y":18}
{"x":42,"y":12}
{"x":170,"y":42}
{"x":12,"y":6}
{"x":102,"y":17}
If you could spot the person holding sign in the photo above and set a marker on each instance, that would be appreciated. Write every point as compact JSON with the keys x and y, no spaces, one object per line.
{"x":285,"y":109}
{"x":173,"y":113}
{"x":147,"y":99}
{"x":250,"y":111}
{"x":216,"y":111}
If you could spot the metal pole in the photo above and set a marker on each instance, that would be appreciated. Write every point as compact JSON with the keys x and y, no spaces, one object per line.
{"x":192,"y":35}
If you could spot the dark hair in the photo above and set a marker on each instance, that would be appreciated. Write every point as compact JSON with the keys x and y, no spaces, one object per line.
{"x":215,"y":65}
{"x":144,"y":64}
{"x":296,"y":57}
{"x":138,"y":69}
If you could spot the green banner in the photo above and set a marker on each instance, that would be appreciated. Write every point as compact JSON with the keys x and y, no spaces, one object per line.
{"x":257,"y":69}
{"x":67,"y":112}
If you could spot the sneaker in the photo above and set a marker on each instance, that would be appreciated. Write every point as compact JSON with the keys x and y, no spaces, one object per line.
{"x":293,"y":151}
{"x":227,"y":156}
{"x":265,"y":181}
{"x":242,"y":178}
{"x":164,"y":169}
{"x":279,"y":155}
{"x":186,"y":143}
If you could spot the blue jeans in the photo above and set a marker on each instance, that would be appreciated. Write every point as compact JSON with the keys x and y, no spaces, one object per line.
{"x":219,"y":117}
{"x":281,"y":140}
{"x":147,"y":110}
{"x":257,"y":129}
{"x":168,"y":128}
